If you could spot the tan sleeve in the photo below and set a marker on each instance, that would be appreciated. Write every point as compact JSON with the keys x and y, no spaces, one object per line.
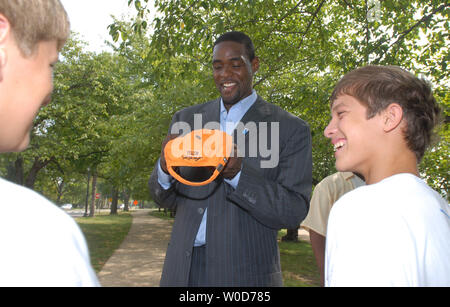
{"x":326,"y":193}
{"x":319,"y":210}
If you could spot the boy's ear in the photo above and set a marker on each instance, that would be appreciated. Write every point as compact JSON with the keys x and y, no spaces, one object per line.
{"x":392,"y":117}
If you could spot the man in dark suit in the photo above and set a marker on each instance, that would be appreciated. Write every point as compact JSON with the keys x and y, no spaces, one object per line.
{"x":225,"y":233}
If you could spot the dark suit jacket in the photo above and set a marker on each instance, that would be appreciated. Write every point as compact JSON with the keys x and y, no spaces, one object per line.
{"x":242,"y":224}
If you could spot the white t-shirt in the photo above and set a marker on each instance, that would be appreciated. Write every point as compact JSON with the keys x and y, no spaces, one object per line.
{"x":392,"y":233}
{"x":40,"y":245}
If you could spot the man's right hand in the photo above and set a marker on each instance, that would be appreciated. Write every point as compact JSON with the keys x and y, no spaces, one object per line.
{"x":162,"y":160}
{"x":234,"y":165}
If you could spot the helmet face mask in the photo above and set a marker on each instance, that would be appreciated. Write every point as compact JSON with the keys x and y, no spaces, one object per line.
{"x":199,"y":148}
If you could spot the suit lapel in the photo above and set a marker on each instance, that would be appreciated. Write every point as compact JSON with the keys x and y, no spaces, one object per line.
{"x":258,"y":112}
{"x":211,"y":112}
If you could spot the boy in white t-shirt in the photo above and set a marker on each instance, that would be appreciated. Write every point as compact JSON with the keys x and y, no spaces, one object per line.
{"x":396,"y":230}
{"x":40,"y":244}
{"x":324,"y":196}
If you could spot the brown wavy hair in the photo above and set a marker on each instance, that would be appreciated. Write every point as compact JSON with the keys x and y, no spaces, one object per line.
{"x":377,"y":87}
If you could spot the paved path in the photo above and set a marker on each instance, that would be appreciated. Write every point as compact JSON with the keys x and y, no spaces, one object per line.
{"x":139,"y":259}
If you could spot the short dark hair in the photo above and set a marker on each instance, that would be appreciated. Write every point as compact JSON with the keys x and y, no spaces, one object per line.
{"x":238,"y":37}
{"x":377,"y":87}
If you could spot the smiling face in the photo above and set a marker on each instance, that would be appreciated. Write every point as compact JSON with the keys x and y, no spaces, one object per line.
{"x":354,"y":137}
{"x":25,"y":86}
{"x":233,"y":71}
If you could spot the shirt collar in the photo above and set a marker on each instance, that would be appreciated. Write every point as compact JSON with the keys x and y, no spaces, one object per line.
{"x":242,"y":106}
{"x":347,"y":175}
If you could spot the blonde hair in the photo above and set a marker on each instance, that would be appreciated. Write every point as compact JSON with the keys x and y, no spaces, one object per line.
{"x":33,"y":21}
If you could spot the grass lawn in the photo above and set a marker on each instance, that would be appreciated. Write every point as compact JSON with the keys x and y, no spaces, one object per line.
{"x":104,"y":234}
{"x":298,"y":263}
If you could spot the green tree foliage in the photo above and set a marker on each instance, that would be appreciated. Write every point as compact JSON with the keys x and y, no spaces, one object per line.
{"x":304,"y":47}
{"x":110,"y":111}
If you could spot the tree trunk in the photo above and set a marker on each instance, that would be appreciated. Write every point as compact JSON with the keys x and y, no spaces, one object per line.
{"x":173,"y":212}
{"x":60,"y":190}
{"x":291,"y":236}
{"x":94,"y":186}
{"x":115,"y":200}
{"x":126,"y":200}
{"x":87,"y":193}
{"x":38,"y":164}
